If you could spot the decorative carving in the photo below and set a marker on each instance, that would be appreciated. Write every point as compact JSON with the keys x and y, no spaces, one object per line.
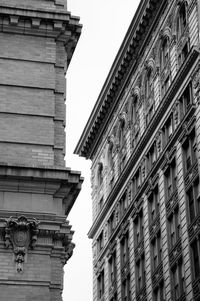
{"x":21,"y":233}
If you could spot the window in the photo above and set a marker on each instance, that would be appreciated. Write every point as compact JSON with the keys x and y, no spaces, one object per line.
{"x":193,"y":200}
{"x":178,"y":280}
{"x":122,"y":133}
{"x":153,"y":204}
{"x":171,"y":179}
{"x":100,"y":174}
{"x":122,"y":144}
{"x":100,"y":204}
{"x":185,"y":100}
{"x":189,"y":151}
{"x":134,"y":113}
{"x":195,"y":250}
{"x":111,"y":224}
{"x":124,"y":249}
{"x":164,"y":65}
{"x":100,"y":242}
{"x":123,"y":204}
{"x":149,"y":95}
{"x":159,"y":293}
{"x":164,"y":52}
{"x":126,"y":289}
{"x":110,"y":156}
{"x":140,"y":273}
{"x":151,"y":156}
{"x":100,"y":285}
{"x":156,"y":252}
{"x":139,"y":227}
{"x":174,"y":227}
{"x":149,"y":84}
{"x":181,"y":21}
{"x":183,"y":48}
{"x":114,"y":298}
{"x":136,"y":182}
{"x":168,"y":129}
{"x":112,"y":268}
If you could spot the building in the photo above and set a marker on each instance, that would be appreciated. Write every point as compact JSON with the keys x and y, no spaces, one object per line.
{"x":143,"y":137}
{"x":37,"y":190}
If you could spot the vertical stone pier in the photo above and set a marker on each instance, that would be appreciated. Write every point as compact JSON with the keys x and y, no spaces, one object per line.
{"x":37,"y":191}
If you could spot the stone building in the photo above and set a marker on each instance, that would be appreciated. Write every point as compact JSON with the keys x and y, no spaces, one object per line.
{"x":143,"y":137}
{"x":37,"y":191}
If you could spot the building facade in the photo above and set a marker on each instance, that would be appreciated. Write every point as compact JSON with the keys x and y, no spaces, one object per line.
{"x":143,"y":138}
{"x":37,"y":190}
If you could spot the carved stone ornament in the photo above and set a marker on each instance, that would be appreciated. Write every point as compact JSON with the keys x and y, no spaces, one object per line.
{"x":21,"y":233}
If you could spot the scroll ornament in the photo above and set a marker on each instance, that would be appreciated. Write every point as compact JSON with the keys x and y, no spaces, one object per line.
{"x":21,"y":233}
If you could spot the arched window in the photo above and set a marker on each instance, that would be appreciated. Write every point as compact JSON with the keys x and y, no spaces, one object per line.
{"x":122,"y":133}
{"x":181,"y":31}
{"x":100,"y":174}
{"x":164,"y":65}
{"x":164,"y":59}
{"x":110,"y":156}
{"x":134,"y":107}
{"x":181,"y":21}
{"x":149,"y":95}
{"x":149,"y":84}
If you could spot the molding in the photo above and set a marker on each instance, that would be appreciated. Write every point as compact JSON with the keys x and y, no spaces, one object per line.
{"x":40,"y":22}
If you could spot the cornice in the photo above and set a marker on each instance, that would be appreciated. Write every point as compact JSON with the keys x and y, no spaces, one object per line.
{"x":125,"y":62}
{"x":181,"y":75}
{"x":61,"y":183}
{"x":55,"y":23}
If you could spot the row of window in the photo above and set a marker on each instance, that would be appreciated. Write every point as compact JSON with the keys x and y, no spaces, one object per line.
{"x":170,"y":177}
{"x":189,"y":146}
{"x":177,"y":274}
{"x":174,"y":235}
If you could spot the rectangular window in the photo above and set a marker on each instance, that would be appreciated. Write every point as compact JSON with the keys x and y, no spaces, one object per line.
{"x":100,"y":285}
{"x":168,"y":129}
{"x":100,"y":242}
{"x":125,"y":249}
{"x":185,"y":101}
{"x":140,"y":273}
{"x":156,"y":252}
{"x":151,"y":156}
{"x":112,"y":269}
{"x":159,"y":293}
{"x":178,"y":280}
{"x":139,"y":227}
{"x":100,"y":203}
{"x":123,"y":204}
{"x":111,"y":224}
{"x":171,"y":179}
{"x":114,"y":298}
{"x":153,"y":204}
{"x":174,"y":227}
{"x":195,"y":250}
{"x":126,"y":289}
{"x":189,"y":151}
{"x":193,"y":200}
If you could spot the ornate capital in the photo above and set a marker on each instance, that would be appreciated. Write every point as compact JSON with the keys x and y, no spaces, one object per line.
{"x":21,"y":234}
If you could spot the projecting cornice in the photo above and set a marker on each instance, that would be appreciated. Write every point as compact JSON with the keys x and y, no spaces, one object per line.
{"x":59,"y":182}
{"x":49,"y":23}
{"x":132,"y":47}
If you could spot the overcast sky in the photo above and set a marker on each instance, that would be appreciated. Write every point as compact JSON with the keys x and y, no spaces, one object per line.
{"x":105,"y":23}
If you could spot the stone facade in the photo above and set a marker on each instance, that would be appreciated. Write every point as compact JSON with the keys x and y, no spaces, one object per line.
{"x":37,"y":191}
{"x":143,"y":140}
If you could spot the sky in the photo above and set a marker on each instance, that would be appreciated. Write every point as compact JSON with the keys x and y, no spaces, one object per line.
{"x":105,"y":23}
